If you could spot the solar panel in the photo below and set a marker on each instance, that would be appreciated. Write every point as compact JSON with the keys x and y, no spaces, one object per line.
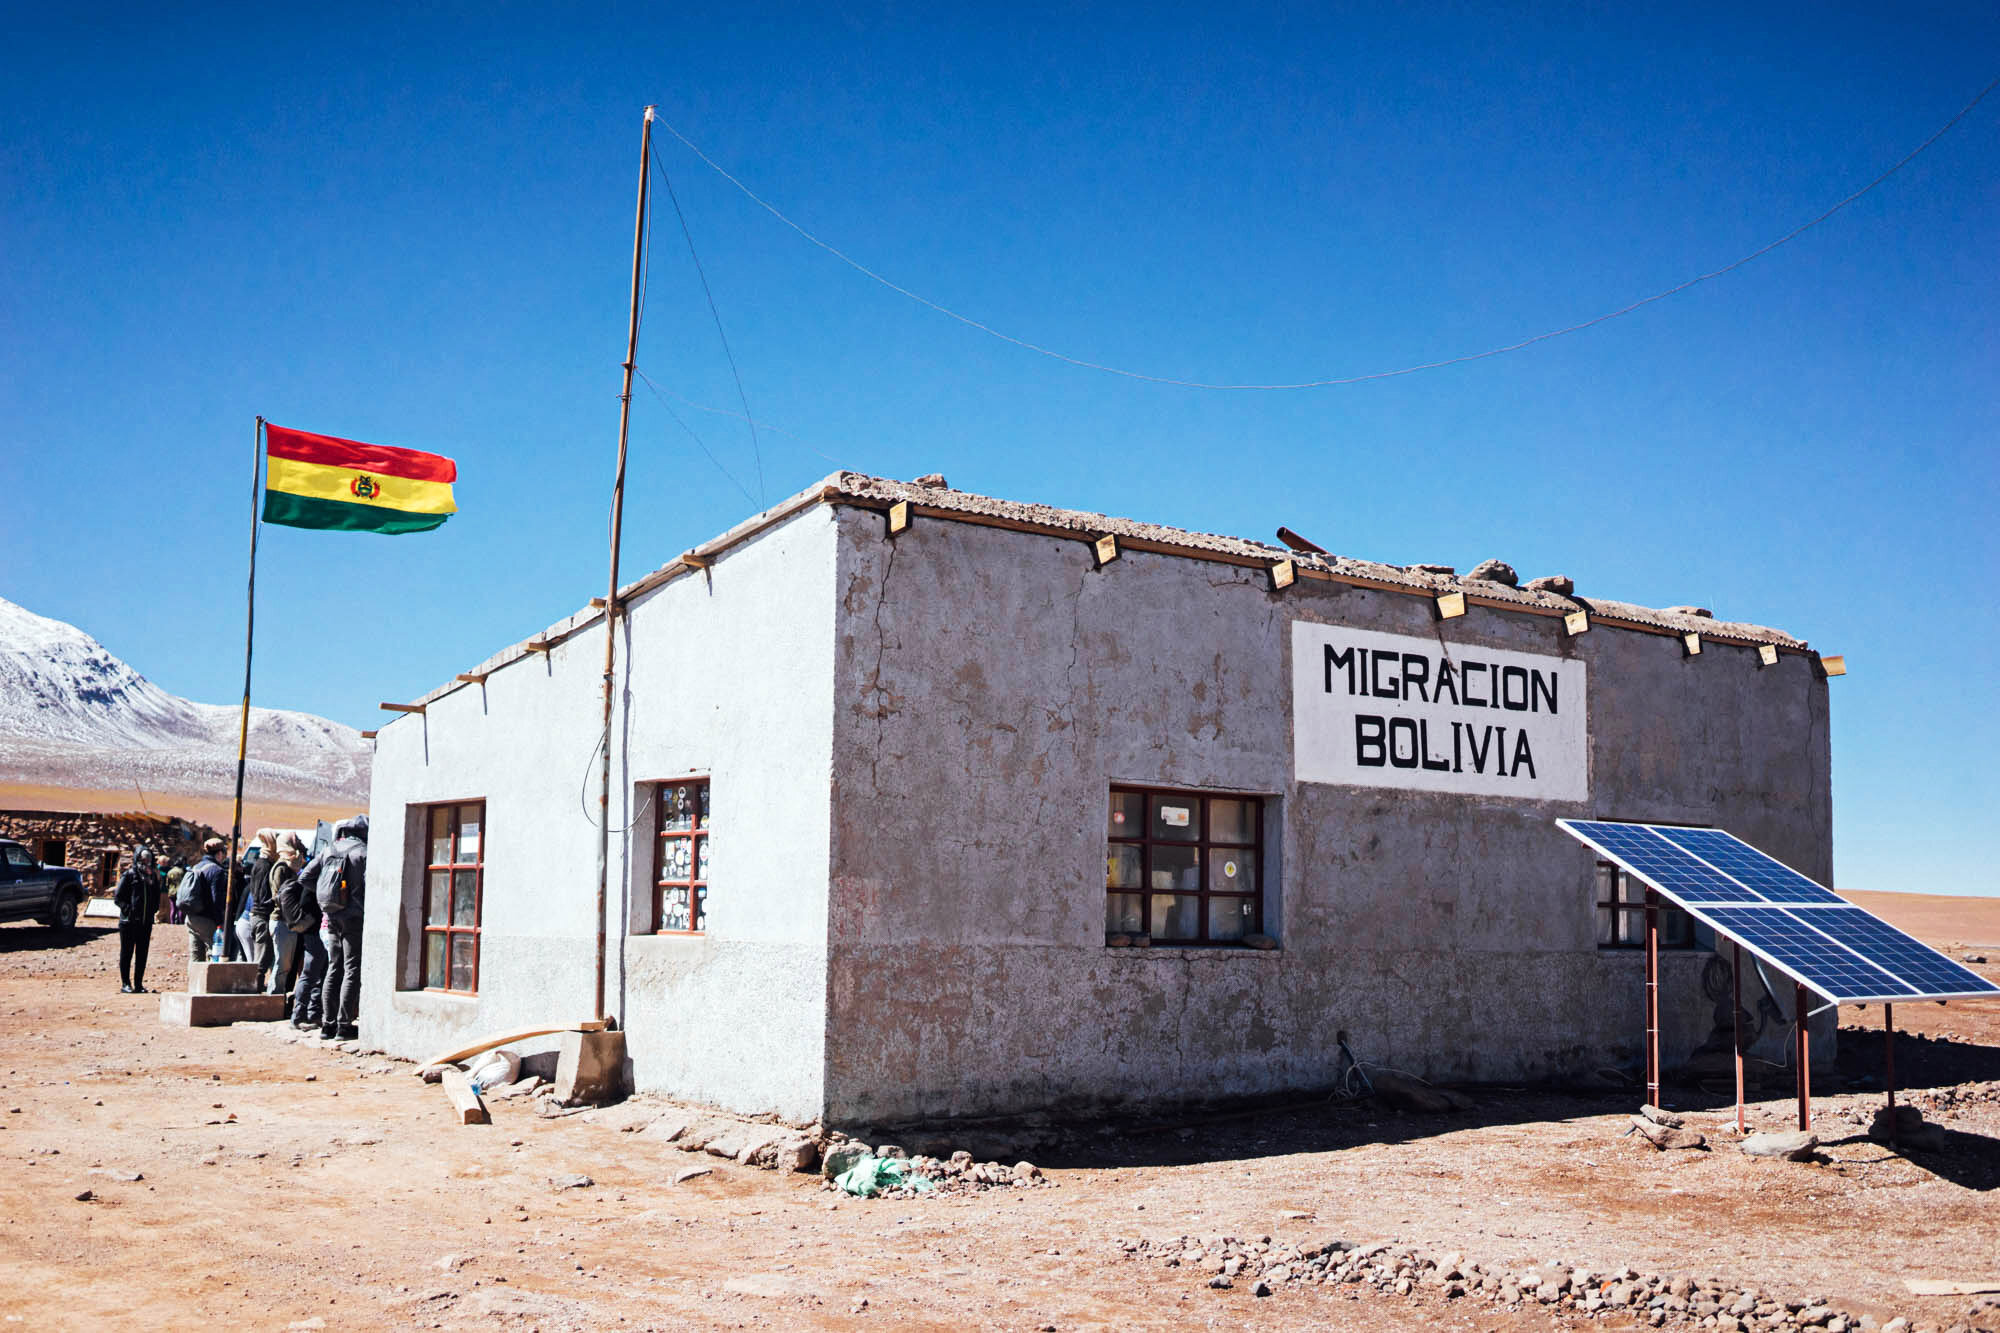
{"x":1923,"y":968}
{"x":1782,"y":938}
{"x":1641,"y":849}
{"x":1769,"y":878}
{"x":1846,"y":954}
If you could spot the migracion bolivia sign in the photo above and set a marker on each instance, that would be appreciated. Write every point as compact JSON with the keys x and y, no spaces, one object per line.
{"x":1391,"y":710}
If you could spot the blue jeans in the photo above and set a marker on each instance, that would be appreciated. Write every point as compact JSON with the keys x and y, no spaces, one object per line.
{"x":312,"y":971}
{"x":283,"y":945}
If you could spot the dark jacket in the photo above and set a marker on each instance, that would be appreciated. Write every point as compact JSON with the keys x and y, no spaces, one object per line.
{"x":208,"y":895}
{"x":293,"y":896}
{"x":350,"y":846}
{"x":257,"y":894}
{"x":137,"y":896}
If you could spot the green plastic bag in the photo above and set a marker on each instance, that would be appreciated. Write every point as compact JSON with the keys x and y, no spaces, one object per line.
{"x":872,"y":1175}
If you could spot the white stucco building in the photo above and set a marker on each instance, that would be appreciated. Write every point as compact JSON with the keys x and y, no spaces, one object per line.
{"x":989,"y":813}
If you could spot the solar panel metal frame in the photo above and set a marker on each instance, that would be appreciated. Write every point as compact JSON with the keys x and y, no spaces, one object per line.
{"x":1708,"y":910}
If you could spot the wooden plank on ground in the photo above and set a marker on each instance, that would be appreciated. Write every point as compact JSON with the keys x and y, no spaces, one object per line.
{"x":502,"y":1038}
{"x":464,"y":1099}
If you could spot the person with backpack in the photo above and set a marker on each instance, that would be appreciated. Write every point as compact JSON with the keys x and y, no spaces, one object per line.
{"x":342,"y":879}
{"x":283,"y":939}
{"x":253,"y":922}
{"x":169,"y":915}
{"x":138,"y":898}
{"x":309,"y":922}
{"x":201,"y":897}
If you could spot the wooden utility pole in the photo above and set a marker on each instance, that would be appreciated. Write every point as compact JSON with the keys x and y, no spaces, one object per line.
{"x":617,"y":532}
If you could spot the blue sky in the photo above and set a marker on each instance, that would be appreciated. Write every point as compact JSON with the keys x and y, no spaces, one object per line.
{"x":414,"y":228}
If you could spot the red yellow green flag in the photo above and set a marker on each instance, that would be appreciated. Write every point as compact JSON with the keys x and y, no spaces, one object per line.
{"x":322,"y":481}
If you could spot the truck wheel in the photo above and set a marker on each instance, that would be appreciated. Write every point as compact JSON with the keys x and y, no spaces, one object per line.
{"x":64,"y":917}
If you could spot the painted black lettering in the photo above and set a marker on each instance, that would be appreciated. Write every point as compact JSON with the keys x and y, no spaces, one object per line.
{"x":1402,"y":730}
{"x":1479,"y":751}
{"x":1510,"y":677}
{"x":1376,"y":687}
{"x":1500,"y":752}
{"x":1545,"y":688}
{"x":1524,"y":758}
{"x":1447,"y":682}
{"x":1416,"y":677}
{"x":1343,"y":659}
{"x":1424,"y":740}
{"x":1465,"y":679}
{"x":1457,"y":755}
{"x":1369,"y":751}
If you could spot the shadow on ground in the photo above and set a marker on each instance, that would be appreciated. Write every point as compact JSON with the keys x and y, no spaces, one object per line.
{"x":26,"y":936}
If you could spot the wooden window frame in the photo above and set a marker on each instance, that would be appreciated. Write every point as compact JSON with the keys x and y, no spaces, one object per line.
{"x":451,"y":870}
{"x":1202,"y":844}
{"x":1628,"y":915}
{"x":698,"y":836}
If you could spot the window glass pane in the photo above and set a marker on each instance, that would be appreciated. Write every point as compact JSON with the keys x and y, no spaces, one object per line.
{"x":1176,"y":916}
{"x":1174,"y":818}
{"x":1231,"y":870}
{"x":1606,"y":935}
{"x":1122,"y":915}
{"x":1175,"y":868}
{"x":462,"y":947}
{"x":1121,"y":869}
{"x":701,"y":805}
{"x":675,"y":858}
{"x":434,"y":960}
{"x":441,"y":836}
{"x":1231,"y":918}
{"x":465,"y":897}
{"x":1127,"y":810}
{"x":701,"y":907}
{"x":677,"y":808}
{"x":1232,"y":821}
{"x":1631,"y":890}
{"x":700,"y":857}
{"x":468,"y":834}
{"x":439,"y":908}
{"x":673,"y":909}
{"x":1631,"y":927}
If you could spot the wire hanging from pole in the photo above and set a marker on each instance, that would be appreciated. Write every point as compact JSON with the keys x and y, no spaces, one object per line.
{"x":1336,"y":381}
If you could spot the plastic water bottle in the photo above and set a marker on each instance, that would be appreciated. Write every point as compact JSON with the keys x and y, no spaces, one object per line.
{"x":215,"y":947}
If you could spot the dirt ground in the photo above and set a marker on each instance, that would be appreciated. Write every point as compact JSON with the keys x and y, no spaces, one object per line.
{"x":236,"y":1178}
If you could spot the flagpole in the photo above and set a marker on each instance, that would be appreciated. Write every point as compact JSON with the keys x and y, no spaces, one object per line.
{"x":235,"y":902}
{"x":617,"y":530}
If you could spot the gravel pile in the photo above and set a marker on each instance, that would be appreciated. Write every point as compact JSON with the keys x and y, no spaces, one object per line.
{"x":1264,"y":1265}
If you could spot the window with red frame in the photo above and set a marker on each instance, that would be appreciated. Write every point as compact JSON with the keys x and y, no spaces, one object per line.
{"x":1183,"y":867}
{"x":454,"y":878}
{"x":680,"y":858}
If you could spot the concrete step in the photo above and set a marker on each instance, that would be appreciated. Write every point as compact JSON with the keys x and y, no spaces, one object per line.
{"x":222,"y":978}
{"x":206,"y":1011}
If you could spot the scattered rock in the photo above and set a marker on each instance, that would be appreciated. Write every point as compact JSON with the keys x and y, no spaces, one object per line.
{"x":128,"y":1177}
{"x":1666,"y":1137}
{"x":86,"y":1196}
{"x":841,"y":1156}
{"x":1797,"y":1146}
{"x":1495,"y":571}
{"x":1446,"y":570}
{"x":1912,"y":1132}
{"x":797,"y":1154}
{"x":1699,"y":612}
{"x":1560,"y":584}
{"x":1406,"y":1093}
{"x":570,"y":1182}
{"x":686,"y":1174}
{"x":1659,"y":1117}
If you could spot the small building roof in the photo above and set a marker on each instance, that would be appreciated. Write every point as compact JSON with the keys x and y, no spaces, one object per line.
{"x":930,"y":497}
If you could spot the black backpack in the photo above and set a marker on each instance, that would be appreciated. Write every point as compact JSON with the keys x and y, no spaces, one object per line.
{"x":332,"y":888}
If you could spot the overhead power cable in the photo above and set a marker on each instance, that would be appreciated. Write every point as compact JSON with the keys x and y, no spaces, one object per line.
{"x":1333,"y":381}
{"x":756,"y":452}
{"x":700,"y":443}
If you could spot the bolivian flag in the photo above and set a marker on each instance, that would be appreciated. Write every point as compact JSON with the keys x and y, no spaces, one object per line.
{"x":321,"y":481}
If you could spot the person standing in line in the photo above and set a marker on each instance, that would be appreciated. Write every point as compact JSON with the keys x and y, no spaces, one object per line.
{"x":242,"y":928}
{"x":138,"y":897}
{"x":306,"y":918}
{"x":204,"y":891}
{"x":253,"y":926}
{"x":172,"y":879}
{"x":284,"y":940}
{"x":342,"y":880}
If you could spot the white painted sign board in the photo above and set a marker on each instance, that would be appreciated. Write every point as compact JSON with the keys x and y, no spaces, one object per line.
{"x":1392,"y":710}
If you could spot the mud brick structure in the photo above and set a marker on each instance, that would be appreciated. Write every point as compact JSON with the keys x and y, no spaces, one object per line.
{"x":99,"y":846}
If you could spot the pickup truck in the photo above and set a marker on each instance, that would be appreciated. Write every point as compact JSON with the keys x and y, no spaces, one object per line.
{"x":49,"y":894}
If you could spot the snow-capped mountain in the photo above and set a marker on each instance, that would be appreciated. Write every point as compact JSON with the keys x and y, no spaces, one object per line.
{"x":73,"y":716}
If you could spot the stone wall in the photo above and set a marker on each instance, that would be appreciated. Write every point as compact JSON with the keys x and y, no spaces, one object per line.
{"x":91,"y":843}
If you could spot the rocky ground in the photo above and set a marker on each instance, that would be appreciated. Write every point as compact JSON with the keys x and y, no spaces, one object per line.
{"x":236,"y":1175}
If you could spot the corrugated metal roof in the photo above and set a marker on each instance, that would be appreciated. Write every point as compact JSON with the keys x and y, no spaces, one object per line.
{"x":939,"y":501}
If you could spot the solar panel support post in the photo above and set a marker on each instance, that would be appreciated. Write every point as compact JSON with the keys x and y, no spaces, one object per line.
{"x":1802,"y":1054}
{"x":1652,"y":997}
{"x":1736,"y":1029}
{"x":1889,"y":1064}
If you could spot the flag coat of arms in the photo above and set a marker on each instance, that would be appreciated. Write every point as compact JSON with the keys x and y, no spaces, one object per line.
{"x":322,"y":481}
